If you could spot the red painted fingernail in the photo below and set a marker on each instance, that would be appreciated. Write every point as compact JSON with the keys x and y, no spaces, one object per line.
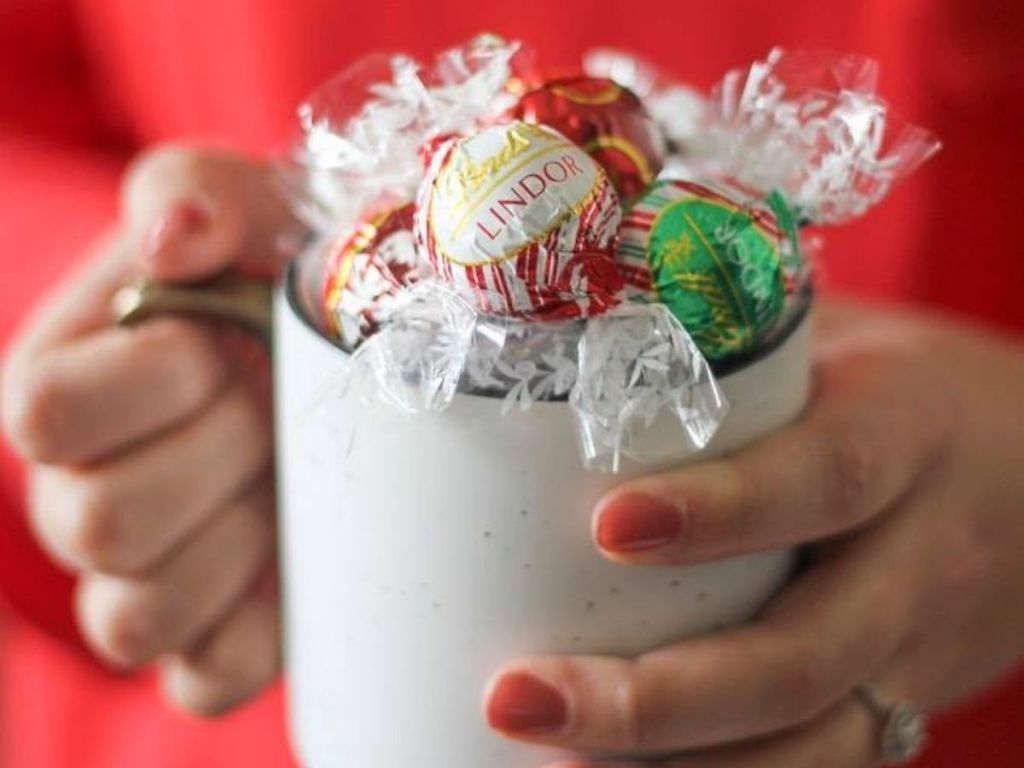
{"x":635,"y":522}
{"x":179,"y":221}
{"x":522,"y":703}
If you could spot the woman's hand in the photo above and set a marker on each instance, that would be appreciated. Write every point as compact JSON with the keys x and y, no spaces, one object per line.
{"x":907,"y":472}
{"x":149,"y":448}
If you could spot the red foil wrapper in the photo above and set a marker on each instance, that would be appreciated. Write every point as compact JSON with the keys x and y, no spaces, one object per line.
{"x":366,"y":271}
{"x":607,"y":120}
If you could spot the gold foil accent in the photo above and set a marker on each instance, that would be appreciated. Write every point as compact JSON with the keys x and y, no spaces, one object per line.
{"x":466,"y":177}
{"x":643,"y":168}
{"x":358,"y":242}
{"x":485,"y":195}
{"x":721,"y":267}
{"x":609,"y":95}
{"x":678,"y":252}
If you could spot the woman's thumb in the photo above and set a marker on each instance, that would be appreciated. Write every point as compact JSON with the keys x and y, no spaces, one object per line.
{"x":192,"y":213}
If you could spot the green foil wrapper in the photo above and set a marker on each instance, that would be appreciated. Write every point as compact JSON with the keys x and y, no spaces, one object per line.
{"x":716,"y":263}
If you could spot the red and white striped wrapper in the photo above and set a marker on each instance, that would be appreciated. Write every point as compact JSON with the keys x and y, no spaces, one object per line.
{"x":525,"y":220}
{"x":366,"y":271}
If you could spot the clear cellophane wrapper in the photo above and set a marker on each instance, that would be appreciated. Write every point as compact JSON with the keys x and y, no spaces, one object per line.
{"x":805,"y":126}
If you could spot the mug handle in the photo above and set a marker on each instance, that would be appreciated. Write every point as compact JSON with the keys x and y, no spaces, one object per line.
{"x":232,"y":297}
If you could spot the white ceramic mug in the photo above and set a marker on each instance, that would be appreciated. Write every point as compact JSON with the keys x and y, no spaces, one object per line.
{"x":421,"y":552}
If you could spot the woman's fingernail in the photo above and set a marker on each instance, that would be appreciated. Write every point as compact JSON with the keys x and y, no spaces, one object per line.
{"x":177,"y":223}
{"x":635,"y":522}
{"x":522,"y":703}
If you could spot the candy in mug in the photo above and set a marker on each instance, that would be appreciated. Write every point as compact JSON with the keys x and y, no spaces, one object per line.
{"x":607,"y":120}
{"x":365,"y":271}
{"x":523,"y":220}
{"x":716,"y":257}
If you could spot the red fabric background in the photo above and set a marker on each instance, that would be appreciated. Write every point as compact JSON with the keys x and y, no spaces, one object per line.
{"x":85,"y":82}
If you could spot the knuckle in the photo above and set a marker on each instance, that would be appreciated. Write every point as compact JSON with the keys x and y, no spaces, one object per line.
{"x":244,"y":417}
{"x":96,"y":536}
{"x":739,"y":502}
{"x":156,"y":165}
{"x":972,"y":566}
{"x":969,"y":566}
{"x":196,"y":369}
{"x":231,"y":668}
{"x":256,"y":529}
{"x":204,"y":698}
{"x":804,"y":685}
{"x":249,"y":671}
{"x":855,"y":474}
{"x":632,"y":710}
{"x":238,"y":407}
{"x":121,"y":622}
{"x":32,"y":402}
{"x":212,"y":692}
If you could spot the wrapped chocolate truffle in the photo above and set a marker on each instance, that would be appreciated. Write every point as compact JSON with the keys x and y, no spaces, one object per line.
{"x":523,"y":220}
{"x":604,"y":118}
{"x":365,"y":272}
{"x":797,"y":139}
{"x":715,"y":260}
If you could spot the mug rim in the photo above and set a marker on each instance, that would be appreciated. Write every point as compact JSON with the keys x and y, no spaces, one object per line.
{"x":719,"y":369}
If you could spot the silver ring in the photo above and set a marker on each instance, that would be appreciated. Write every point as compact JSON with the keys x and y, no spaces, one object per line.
{"x":904,"y":726}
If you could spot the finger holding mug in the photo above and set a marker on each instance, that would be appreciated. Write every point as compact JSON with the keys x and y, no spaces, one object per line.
{"x":113,"y":418}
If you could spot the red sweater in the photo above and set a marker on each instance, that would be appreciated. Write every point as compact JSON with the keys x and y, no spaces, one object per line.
{"x":83,"y":83}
